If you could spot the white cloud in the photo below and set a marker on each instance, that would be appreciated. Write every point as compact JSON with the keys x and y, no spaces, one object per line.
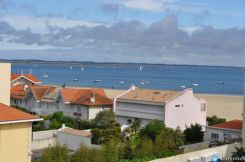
{"x":40,"y":24}
{"x":148,"y":5}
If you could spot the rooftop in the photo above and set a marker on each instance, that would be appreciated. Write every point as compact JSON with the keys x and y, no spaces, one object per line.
{"x":30,"y":77}
{"x":76,"y":132}
{"x":83,"y":96}
{"x":233,"y":124}
{"x":150,"y":95}
{"x":12,"y":115}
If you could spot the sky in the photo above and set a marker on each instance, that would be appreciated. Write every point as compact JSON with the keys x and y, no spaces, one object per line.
{"x":199,"y":32}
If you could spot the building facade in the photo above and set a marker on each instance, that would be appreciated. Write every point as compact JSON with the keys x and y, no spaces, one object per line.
{"x":225,"y":131}
{"x":15,"y":125}
{"x":45,"y":100}
{"x":175,"y":109}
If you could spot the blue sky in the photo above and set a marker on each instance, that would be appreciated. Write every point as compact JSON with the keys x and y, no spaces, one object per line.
{"x":154,"y":31}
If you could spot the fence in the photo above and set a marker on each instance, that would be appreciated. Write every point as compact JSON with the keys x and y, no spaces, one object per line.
{"x":43,"y":139}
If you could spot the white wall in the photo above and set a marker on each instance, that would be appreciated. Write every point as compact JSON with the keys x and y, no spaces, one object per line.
{"x":225,"y":151}
{"x":188,"y":113}
{"x":5,"y":70}
{"x":145,"y":112}
{"x":73,"y":142}
{"x":44,"y":139}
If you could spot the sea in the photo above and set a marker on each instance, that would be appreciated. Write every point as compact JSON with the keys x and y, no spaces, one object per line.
{"x":203,"y":79}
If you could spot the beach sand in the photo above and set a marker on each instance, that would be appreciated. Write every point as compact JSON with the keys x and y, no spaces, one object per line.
{"x":224,"y":106}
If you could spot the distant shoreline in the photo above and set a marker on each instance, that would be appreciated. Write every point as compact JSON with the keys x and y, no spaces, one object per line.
{"x":85,"y":63}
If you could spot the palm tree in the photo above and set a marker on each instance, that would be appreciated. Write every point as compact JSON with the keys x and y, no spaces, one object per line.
{"x":239,"y":153}
{"x":135,"y":126}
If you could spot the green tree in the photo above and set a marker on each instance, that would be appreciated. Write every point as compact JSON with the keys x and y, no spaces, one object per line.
{"x":69,"y":121}
{"x":152,"y":129}
{"x":105,"y":119}
{"x":127,"y":150}
{"x":215,"y":120}
{"x":86,"y":124}
{"x":110,"y":151}
{"x":55,"y":154}
{"x":194,"y":134}
{"x":135,"y":126}
{"x":145,"y":148}
{"x":57,"y":115}
{"x":54,"y":124}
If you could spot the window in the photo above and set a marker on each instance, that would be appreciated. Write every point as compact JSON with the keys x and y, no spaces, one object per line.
{"x":177,"y":105}
{"x":214,"y":135}
{"x":203,"y":107}
{"x":78,"y":109}
{"x":227,"y":136}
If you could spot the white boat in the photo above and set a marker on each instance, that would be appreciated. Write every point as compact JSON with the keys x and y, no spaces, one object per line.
{"x":142,"y":82}
{"x":141,"y":68}
{"x":183,"y":86}
{"x":45,"y":76}
{"x":71,"y":67}
{"x":122,"y":82}
{"x":97,"y":80}
{"x":75,"y":79}
{"x":195,"y":84}
{"x":82,"y":68}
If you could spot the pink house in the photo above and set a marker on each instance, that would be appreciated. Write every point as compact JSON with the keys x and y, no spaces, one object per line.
{"x":175,"y":109}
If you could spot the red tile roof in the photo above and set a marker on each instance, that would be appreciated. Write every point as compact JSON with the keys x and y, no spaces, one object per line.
{"x":39,"y":91}
{"x":83,"y":96}
{"x":8,"y":113}
{"x":30,"y":77}
{"x":18,"y":92}
{"x":233,"y":124}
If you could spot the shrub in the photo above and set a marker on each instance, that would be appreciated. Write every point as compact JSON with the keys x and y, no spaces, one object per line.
{"x":152,"y":129}
{"x":194,"y":134}
{"x":55,"y":154}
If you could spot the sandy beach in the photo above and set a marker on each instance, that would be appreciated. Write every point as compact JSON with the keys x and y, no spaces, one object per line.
{"x":225,"y":106}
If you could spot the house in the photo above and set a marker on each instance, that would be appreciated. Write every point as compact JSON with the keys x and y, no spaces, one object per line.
{"x":45,"y":100}
{"x":224,"y":131}
{"x":25,"y":79}
{"x":73,"y":138}
{"x":175,"y":109}
{"x":15,"y":125}
{"x":16,"y":134}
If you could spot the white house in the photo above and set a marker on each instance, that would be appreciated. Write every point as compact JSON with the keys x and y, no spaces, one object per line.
{"x":45,"y":100}
{"x":224,"y":131}
{"x":175,"y":109}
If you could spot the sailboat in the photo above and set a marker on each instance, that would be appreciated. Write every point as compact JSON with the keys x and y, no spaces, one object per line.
{"x":81,"y":68}
{"x":141,"y":68}
{"x":45,"y":75}
{"x":71,"y":67}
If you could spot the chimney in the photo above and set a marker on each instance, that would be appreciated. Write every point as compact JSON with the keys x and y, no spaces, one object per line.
{"x":26,"y":87}
{"x":92,"y":99}
{"x":5,"y":70}
{"x":243,"y":114}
